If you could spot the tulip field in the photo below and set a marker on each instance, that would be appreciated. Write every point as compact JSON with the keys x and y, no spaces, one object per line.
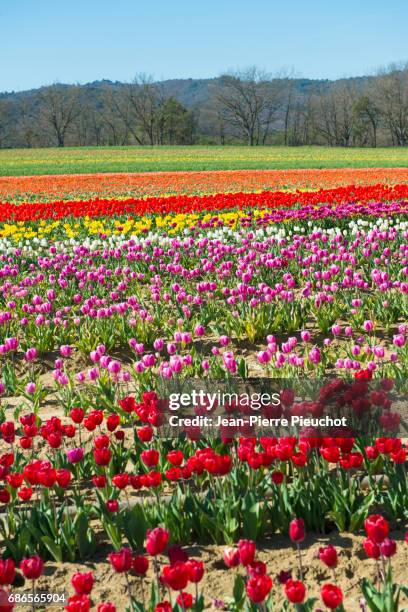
{"x":113,"y":285}
{"x":80,"y":160}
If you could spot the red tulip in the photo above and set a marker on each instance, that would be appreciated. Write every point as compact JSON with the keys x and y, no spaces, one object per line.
{"x":8,"y":431}
{"x":63,"y":477}
{"x":388,"y":547}
{"x":153,"y":479}
{"x":256,"y":568}
{"x":175,"y":576}
{"x":4,"y":598}
{"x":328,"y":555}
{"x":25,"y":493}
{"x":297,"y":530}
{"x":145,"y":434}
{"x":78,"y":603}
{"x":102,"y":456}
{"x":121,"y":561}
{"x":69,"y":431}
{"x":372,"y":453}
{"x":26,"y":442}
{"x":295,"y":591}
{"x":278,"y":477}
{"x":15,"y":480}
{"x":258,"y":588}
{"x":99,"y":481}
{"x":77,"y":415}
{"x":363,"y":375}
{"x":175,"y":457}
{"x":32,"y":567}
{"x":176,"y":553}
{"x":331,"y":595}
{"x":372,"y":549}
{"x":101,"y":441}
{"x":376,"y":527}
{"x":47,"y":477}
{"x":185,"y":600}
{"x":4,"y":496}
{"x":136,"y":481}
{"x":150,"y":457}
{"x":156,"y":541}
{"x":106,"y":607}
{"x":330,"y":453}
{"x":82,"y":583}
{"x":140,"y":565}
{"x":112,"y":505}
{"x":97,"y":416}
{"x":163,"y":606}
{"x":128,"y":404}
{"x":7,"y":571}
{"x":120,"y":480}
{"x":195,"y":570}
{"x":112,"y":422}
{"x":174,"y":474}
{"x":246,"y":549}
{"x":89,"y":423}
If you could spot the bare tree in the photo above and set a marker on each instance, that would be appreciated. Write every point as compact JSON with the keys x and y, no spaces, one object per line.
{"x":26,"y":121}
{"x":367,"y":115}
{"x":336,"y":121}
{"x":145,"y":99}
{"x":249,"y":101}
{"x":58,"y":108}
{"x":5,"y":121}
{"x":113,"y":110}
{"x":392,"y":89}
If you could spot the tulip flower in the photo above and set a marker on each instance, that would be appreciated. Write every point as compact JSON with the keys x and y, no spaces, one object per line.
{"x":297,"y":535}
{"x":231,"y":557}
{"x":258,"y":588}
{"x":7,"y":571}
{"x":83,"y":582}
{"x":376,"y":527}
{"x":295,"y":591}
{"x":156,"y":541}
{"x":331,"y":595}
{"x":32,"y":567}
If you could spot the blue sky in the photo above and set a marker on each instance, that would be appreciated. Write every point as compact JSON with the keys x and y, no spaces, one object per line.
{"x":43,"y":41}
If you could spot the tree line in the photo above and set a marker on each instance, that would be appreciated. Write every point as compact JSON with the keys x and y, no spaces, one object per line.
{"x":248,"y":107}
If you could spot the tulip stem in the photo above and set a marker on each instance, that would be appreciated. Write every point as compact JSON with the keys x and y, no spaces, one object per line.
{"x":143,"y":593}
{"x":378,"y":571}
{"x":128,"y":590}
{"x":33,"y":591}
{"x":384,"y":569}
{"x":299,"y":554}
{"x":156,"y":573}
{"x":182,"y":601}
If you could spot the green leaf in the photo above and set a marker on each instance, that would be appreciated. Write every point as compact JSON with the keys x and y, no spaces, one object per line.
{"x":373,"y":597}
{"x":134,"y":525}
{"x":84,"y":536}
{"x":53,"y":548}
{"x":250,"y":516}
{"x":113,"y":533}
{"x":154,"y":595}
{"x":238,"y":591}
